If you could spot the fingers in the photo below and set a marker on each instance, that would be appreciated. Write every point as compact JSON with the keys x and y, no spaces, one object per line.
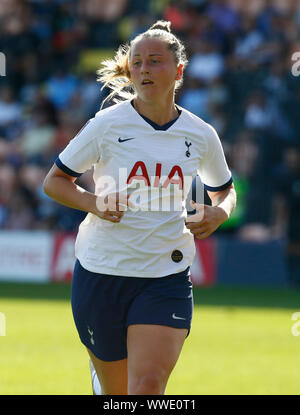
{"x":200,"y":230}
{"x":197,"y":217}
{"x":111,"y":202}
{"x":112,"y":206}
{"x":197,"y":206}
{"x":118,"y":202}
{"x":114,"y":217}
{"x":193,"y":225}
{"x":202,"y":235}
{"x":197,"y":223}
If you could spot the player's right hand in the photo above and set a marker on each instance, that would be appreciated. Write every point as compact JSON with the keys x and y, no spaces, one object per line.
{"x":112,"y":206}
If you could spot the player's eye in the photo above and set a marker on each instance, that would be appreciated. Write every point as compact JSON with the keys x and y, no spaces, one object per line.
{"x":136,"y":63}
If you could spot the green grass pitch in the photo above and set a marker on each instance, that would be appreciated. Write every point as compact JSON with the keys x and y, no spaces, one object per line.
{"x":241,"y":343}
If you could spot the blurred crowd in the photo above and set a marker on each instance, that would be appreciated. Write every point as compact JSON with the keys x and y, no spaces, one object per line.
{"x":239,"y":79}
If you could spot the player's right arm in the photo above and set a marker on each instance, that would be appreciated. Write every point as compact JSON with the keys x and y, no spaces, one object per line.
{"x":61,"y":187}
{"x":82,"y":152}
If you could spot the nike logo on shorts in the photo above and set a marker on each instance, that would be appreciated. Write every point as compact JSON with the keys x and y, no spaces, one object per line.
{"x":122,"y":140}
{"x":177,"y":318}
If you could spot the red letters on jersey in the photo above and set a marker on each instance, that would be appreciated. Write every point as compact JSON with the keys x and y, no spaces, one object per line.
{"x":144,"y":176}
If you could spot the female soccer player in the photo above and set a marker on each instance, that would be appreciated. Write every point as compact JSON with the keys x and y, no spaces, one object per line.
{"x":131,"y":292}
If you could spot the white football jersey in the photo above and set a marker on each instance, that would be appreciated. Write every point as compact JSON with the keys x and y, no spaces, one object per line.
{"x":156,"y":166}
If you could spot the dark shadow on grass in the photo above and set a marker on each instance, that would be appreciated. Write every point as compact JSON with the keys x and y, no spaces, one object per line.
{"x":35,"y":291}
{"x":233,"y":296}
{"x":245,"y":296}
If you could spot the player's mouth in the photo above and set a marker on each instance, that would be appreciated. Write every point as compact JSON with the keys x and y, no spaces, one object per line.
{"x":147,"y":82}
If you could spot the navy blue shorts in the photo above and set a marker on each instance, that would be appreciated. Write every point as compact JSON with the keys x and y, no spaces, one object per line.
{"x":105,"y":305}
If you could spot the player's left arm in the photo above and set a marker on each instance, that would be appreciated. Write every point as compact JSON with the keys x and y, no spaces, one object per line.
{"x":209,"y":218}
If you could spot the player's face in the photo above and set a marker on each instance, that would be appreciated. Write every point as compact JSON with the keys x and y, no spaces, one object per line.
{"x":153,"y":69}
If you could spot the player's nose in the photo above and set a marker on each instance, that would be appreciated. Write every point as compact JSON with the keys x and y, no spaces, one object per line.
{"x":144,"y":68}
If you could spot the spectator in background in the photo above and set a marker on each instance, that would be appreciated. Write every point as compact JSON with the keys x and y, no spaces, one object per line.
{"x":176,"y":12}
{"x":272,"y":22}
{"x":199,"y":5}
{"x":17,"y":40}
{"x":286,"y":181}
{"x":75,"y":109}
{"x":203,"y":29}
{"x":40,"y":103}
{"x":249,"y":39}
{"x":265,"y":16}
{"x":66,"y":129}
{"x":43,"y":208}
{"x":10,"y":113}
{"x":205,"y":100}
{"x":102,"y":18}
{"x":258,"y":114}
{"x":106,"y":10}
{"x":218,"y":119}
{"x":22,"y":204}
{"x":32,"y":74}
{"x":60,"y":88}
{"x":8,"y":185}
{"x":131,"y":26}
{"x":218,"y":99}
{"x":37,"y":140}
{"x":295,"y":12}
{"x":242,"y":156}
{"x":91,"y":95}
{"x":274,"y":27}
{"x":195,"y":98}
{"x":20,"y":215}
{"x":264,"y":114}
{"x":206,"y":63}
{"x":275,"y":83}
{"x":223,"y":15}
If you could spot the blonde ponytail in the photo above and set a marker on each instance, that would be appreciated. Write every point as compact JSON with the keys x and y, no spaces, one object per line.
{"x":114,"y":74}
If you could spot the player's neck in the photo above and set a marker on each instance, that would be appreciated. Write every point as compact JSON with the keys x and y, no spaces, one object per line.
{"x":159,"y":112}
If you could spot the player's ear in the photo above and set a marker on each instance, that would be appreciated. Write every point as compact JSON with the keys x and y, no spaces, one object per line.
{"x":179,"y":72}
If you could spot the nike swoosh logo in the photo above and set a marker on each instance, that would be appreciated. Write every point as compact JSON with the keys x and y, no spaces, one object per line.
{"x":177,"y":318}
{"x":122,"y":140}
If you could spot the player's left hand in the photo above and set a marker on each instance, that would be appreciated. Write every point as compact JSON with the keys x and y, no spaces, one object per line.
{"x":206,"y":220}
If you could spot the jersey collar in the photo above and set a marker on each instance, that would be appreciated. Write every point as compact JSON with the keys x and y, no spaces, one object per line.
{"x":153,"y":124}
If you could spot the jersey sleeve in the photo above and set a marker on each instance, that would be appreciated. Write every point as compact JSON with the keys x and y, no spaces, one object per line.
{"x":213,"y":169}
{"x":83,"y":150}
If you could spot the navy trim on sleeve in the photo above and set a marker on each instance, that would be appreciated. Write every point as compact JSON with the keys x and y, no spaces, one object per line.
{"x":219,"y":188}
{"x":66,"y":169}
